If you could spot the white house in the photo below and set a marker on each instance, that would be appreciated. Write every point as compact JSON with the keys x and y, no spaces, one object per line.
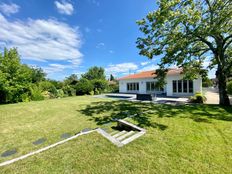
{"x":144,"y":83}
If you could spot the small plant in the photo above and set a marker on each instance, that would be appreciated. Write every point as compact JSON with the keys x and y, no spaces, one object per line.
{"x":198,"y":98}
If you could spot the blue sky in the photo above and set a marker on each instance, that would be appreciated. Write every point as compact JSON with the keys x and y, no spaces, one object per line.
{"x":69,"y":36}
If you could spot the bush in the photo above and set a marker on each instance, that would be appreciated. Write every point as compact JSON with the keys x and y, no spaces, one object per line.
{"x":36,"y":93}
{"x":48,"y":86}
{"x":99,"y":85}
{"x":84,"y":86}
{"x":60,"y":93}
{"x":91,"y":93}
{"x":25,"y":97}
{"x":229,"y":87}
{"x":198,"y":98}
{"x":69,"y":91}
{"x":47,"y":95}
{"x":114,"y":88}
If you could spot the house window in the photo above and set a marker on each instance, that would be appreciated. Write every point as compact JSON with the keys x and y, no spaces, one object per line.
{"x":132,"y":86}
{"x":174,"y":86}
{"x":182,"y":86}
{"x":151,"y":87}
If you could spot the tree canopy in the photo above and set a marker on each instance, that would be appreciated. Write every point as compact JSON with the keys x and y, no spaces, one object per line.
{"x":187,"y":33}
{"x":95,"y":73}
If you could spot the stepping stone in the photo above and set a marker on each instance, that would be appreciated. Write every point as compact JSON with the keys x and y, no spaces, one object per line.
{"x":39,"y":141}
{"x":65,"y":135}
{"x":125,"y":135}
{"x":119,"y":134}
{"x":9,"y":153}
{"x":86,"y":130}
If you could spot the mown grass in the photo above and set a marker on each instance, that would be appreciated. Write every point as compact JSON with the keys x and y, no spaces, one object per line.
{"x":179,"y":139}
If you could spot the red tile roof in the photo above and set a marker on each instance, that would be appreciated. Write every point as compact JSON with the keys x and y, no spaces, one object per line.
{"x":150,"y":74}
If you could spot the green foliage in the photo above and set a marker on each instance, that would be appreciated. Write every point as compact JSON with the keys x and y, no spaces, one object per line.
{"x":69,"y":90}
{"x":99,"y":85}
{"x":60,"y":93}
{"x":198,"y":98}
{"x":229,"y":87}
{"x":185,"y":33}
{"x":36,"y":93}
{"x":84,"y":86}
{"x":71,"y":80}
{"x":91,"y":93}
{"x":49,"y":87}
{"x":95,"y":73}
{"x":37,"y":74}
{"x":114,"y":87}
{"x":112,"y":77}
{"x":15,"y":78}
{"x":207,"y":82}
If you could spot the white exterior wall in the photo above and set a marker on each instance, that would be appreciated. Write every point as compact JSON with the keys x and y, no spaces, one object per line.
{"x":197,"y":85}
{"x":142,"y":85}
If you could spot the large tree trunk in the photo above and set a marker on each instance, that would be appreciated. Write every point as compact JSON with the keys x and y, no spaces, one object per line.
{"x":223,"y":95}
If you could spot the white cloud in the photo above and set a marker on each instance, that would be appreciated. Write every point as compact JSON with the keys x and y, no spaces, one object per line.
{"x":64,"y":7}
{"x":42,"y":40}
{"x":111,"y":51}
{"x":9,"y":9}
{"x":145,"y":63}
{"x":149,"y":68}
{"x":121,"y":68}
{"x":53,"y":68}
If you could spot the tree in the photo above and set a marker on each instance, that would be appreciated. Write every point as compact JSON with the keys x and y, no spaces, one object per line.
{"x":84,"y":87}
{"x":15,"y":78}
{"x":95,"y":73}
{"x":37,"y":74}
{"x":112,"y":77}
{"x":186,"y":33}
{"x":71,"y":80}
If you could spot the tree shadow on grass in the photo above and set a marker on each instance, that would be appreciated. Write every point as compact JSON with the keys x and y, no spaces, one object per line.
{"x":107,"y":111}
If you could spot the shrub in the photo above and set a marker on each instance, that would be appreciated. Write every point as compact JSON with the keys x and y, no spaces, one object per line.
{"x":25,"y":97}
{"x":60,"y":93}
{"x":229,"y":87}
{"x":96,"y":91}
{"x":48,"y":86}
{"x":47,"y":95}
{"x":91,"y":93}
{"x":84,"y":86}
{"x":198,"y":98}
{"x":69,"y":91}
{"x":99,"y":85}
{"x":36,"y":93}
{"x":114,"y":88}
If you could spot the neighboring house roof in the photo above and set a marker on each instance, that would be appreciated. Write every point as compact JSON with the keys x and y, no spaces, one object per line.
{"x":150,"y":74}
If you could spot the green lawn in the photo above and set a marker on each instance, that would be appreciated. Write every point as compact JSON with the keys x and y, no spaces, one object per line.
{"x":179,"y":139}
